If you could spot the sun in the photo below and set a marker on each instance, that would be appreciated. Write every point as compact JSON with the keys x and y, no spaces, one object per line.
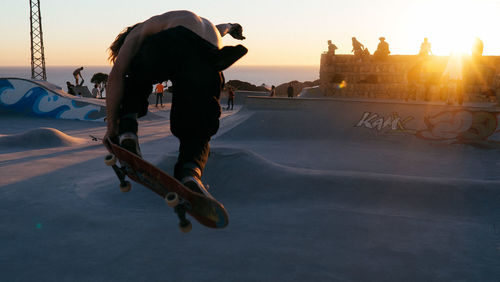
{"x":450,"y":27}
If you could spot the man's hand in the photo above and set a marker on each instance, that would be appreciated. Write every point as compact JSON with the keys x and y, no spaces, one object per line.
{"x":236,"y":31}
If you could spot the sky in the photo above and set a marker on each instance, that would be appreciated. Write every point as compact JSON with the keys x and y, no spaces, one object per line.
{"x":291,"y":32}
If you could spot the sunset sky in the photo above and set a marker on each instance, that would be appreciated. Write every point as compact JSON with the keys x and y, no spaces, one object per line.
{"x":291,"y":32}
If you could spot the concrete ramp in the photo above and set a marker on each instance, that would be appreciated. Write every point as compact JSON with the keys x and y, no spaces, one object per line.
{"x":43,"y":99}
{"x":82,"y":91}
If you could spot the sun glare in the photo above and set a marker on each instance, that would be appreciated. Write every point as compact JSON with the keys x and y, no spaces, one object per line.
{"x":450,"y":26}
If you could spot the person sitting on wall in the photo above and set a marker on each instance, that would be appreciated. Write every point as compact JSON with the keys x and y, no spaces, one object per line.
{"x":331,"y":52}
{"x":331,"y":48}
{"x":357,"y":48}
{"x":95,"y":91}
{"x":382,"y":51}
{"x":70,"y":88}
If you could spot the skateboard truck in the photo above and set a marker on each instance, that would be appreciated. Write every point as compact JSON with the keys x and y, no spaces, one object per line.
{"x":180,"y":209}
{"x":180,"y":206}
{"x":125,"y":185}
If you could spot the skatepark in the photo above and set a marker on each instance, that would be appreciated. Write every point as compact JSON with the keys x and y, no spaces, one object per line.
{"x":316,"y":190}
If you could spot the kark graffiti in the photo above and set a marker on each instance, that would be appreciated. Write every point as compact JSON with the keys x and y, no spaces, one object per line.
{"x":393,"y":123}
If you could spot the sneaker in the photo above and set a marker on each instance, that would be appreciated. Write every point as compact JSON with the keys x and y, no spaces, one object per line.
{"x":194,"y":184}
{"x":130,"y":142}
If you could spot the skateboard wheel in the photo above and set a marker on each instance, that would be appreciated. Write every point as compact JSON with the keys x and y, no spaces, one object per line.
{"x":110,"y":160}
{"x":185,"y":226}
{"x":172,"y":199}
{"x":125,"y":187}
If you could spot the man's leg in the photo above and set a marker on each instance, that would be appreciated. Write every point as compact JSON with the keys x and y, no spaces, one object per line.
{"x":193,"y":155}
{"x":134,"y":104}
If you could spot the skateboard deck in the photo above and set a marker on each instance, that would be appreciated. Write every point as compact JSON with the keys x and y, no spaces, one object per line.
{"x":204,"y":208}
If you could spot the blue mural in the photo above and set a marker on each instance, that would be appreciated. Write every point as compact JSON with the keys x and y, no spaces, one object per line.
{"x":29,"y":97}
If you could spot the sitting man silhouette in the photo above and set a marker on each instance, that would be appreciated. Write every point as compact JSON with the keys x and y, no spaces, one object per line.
{"x":382,"y":51}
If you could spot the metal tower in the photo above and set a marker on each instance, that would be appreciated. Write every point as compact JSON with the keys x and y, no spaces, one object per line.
{"x":37,"y":54}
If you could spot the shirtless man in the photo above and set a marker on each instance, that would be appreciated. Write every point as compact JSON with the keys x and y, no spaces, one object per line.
{"x":78,"y":74}
{"x":186,"y":49}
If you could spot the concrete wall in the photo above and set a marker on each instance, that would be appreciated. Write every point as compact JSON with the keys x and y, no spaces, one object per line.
{"x":372,"y":119}
{"x":239,"y":97}
{"x":388,"y":79}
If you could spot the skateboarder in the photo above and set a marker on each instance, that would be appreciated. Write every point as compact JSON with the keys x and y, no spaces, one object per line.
{"x":186,"y":49}
{"x":78,"y":74}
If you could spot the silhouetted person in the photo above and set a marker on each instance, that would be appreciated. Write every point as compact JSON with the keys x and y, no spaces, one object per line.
{"x":159,"y":94}
{"x":477,"y":49}
{"x":382,"y":50}
{"x":273,"y":91}
{"x":331,"y":52}
{"x":70,"y":88}
{"x":331,"y":48}
{"x":230,"y":98}
{"x":425,"y":49}
{"x":95,"y":91}
{"x":77,"y":74}
{"x":357,"y":48}
{"x":289,"y":91}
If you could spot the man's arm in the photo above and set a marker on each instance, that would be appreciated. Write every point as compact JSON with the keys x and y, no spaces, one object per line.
{"x":235,"y":30}
{"x":114,"y":87}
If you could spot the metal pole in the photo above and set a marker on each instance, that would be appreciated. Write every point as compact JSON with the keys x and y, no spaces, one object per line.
{"x":37,"y":51}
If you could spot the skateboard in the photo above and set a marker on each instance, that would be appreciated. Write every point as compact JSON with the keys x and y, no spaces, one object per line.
{"x":204,"y":208}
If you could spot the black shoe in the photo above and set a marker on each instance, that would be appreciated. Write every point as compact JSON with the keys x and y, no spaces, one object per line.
{"x":194,"y":184}
{"x":191,"y":178}
{"x":130,"y":142}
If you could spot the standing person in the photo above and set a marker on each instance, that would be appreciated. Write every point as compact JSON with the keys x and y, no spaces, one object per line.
{"x":159,"y":94}
{"x":477,"y":49}
{"x":78,"y":74}
{"x":273,"y":91}
{"x":230,"y":97}
{"x":425,"y":48}
{"x":95,"y":92}
{"x":186,"y":49}
{"x":289,"y":90}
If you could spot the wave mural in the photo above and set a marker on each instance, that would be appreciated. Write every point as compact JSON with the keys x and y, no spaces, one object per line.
{"x":46,"y":100}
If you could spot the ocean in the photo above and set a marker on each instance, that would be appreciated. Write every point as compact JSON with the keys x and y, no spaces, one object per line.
{"x":257,"y":75}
